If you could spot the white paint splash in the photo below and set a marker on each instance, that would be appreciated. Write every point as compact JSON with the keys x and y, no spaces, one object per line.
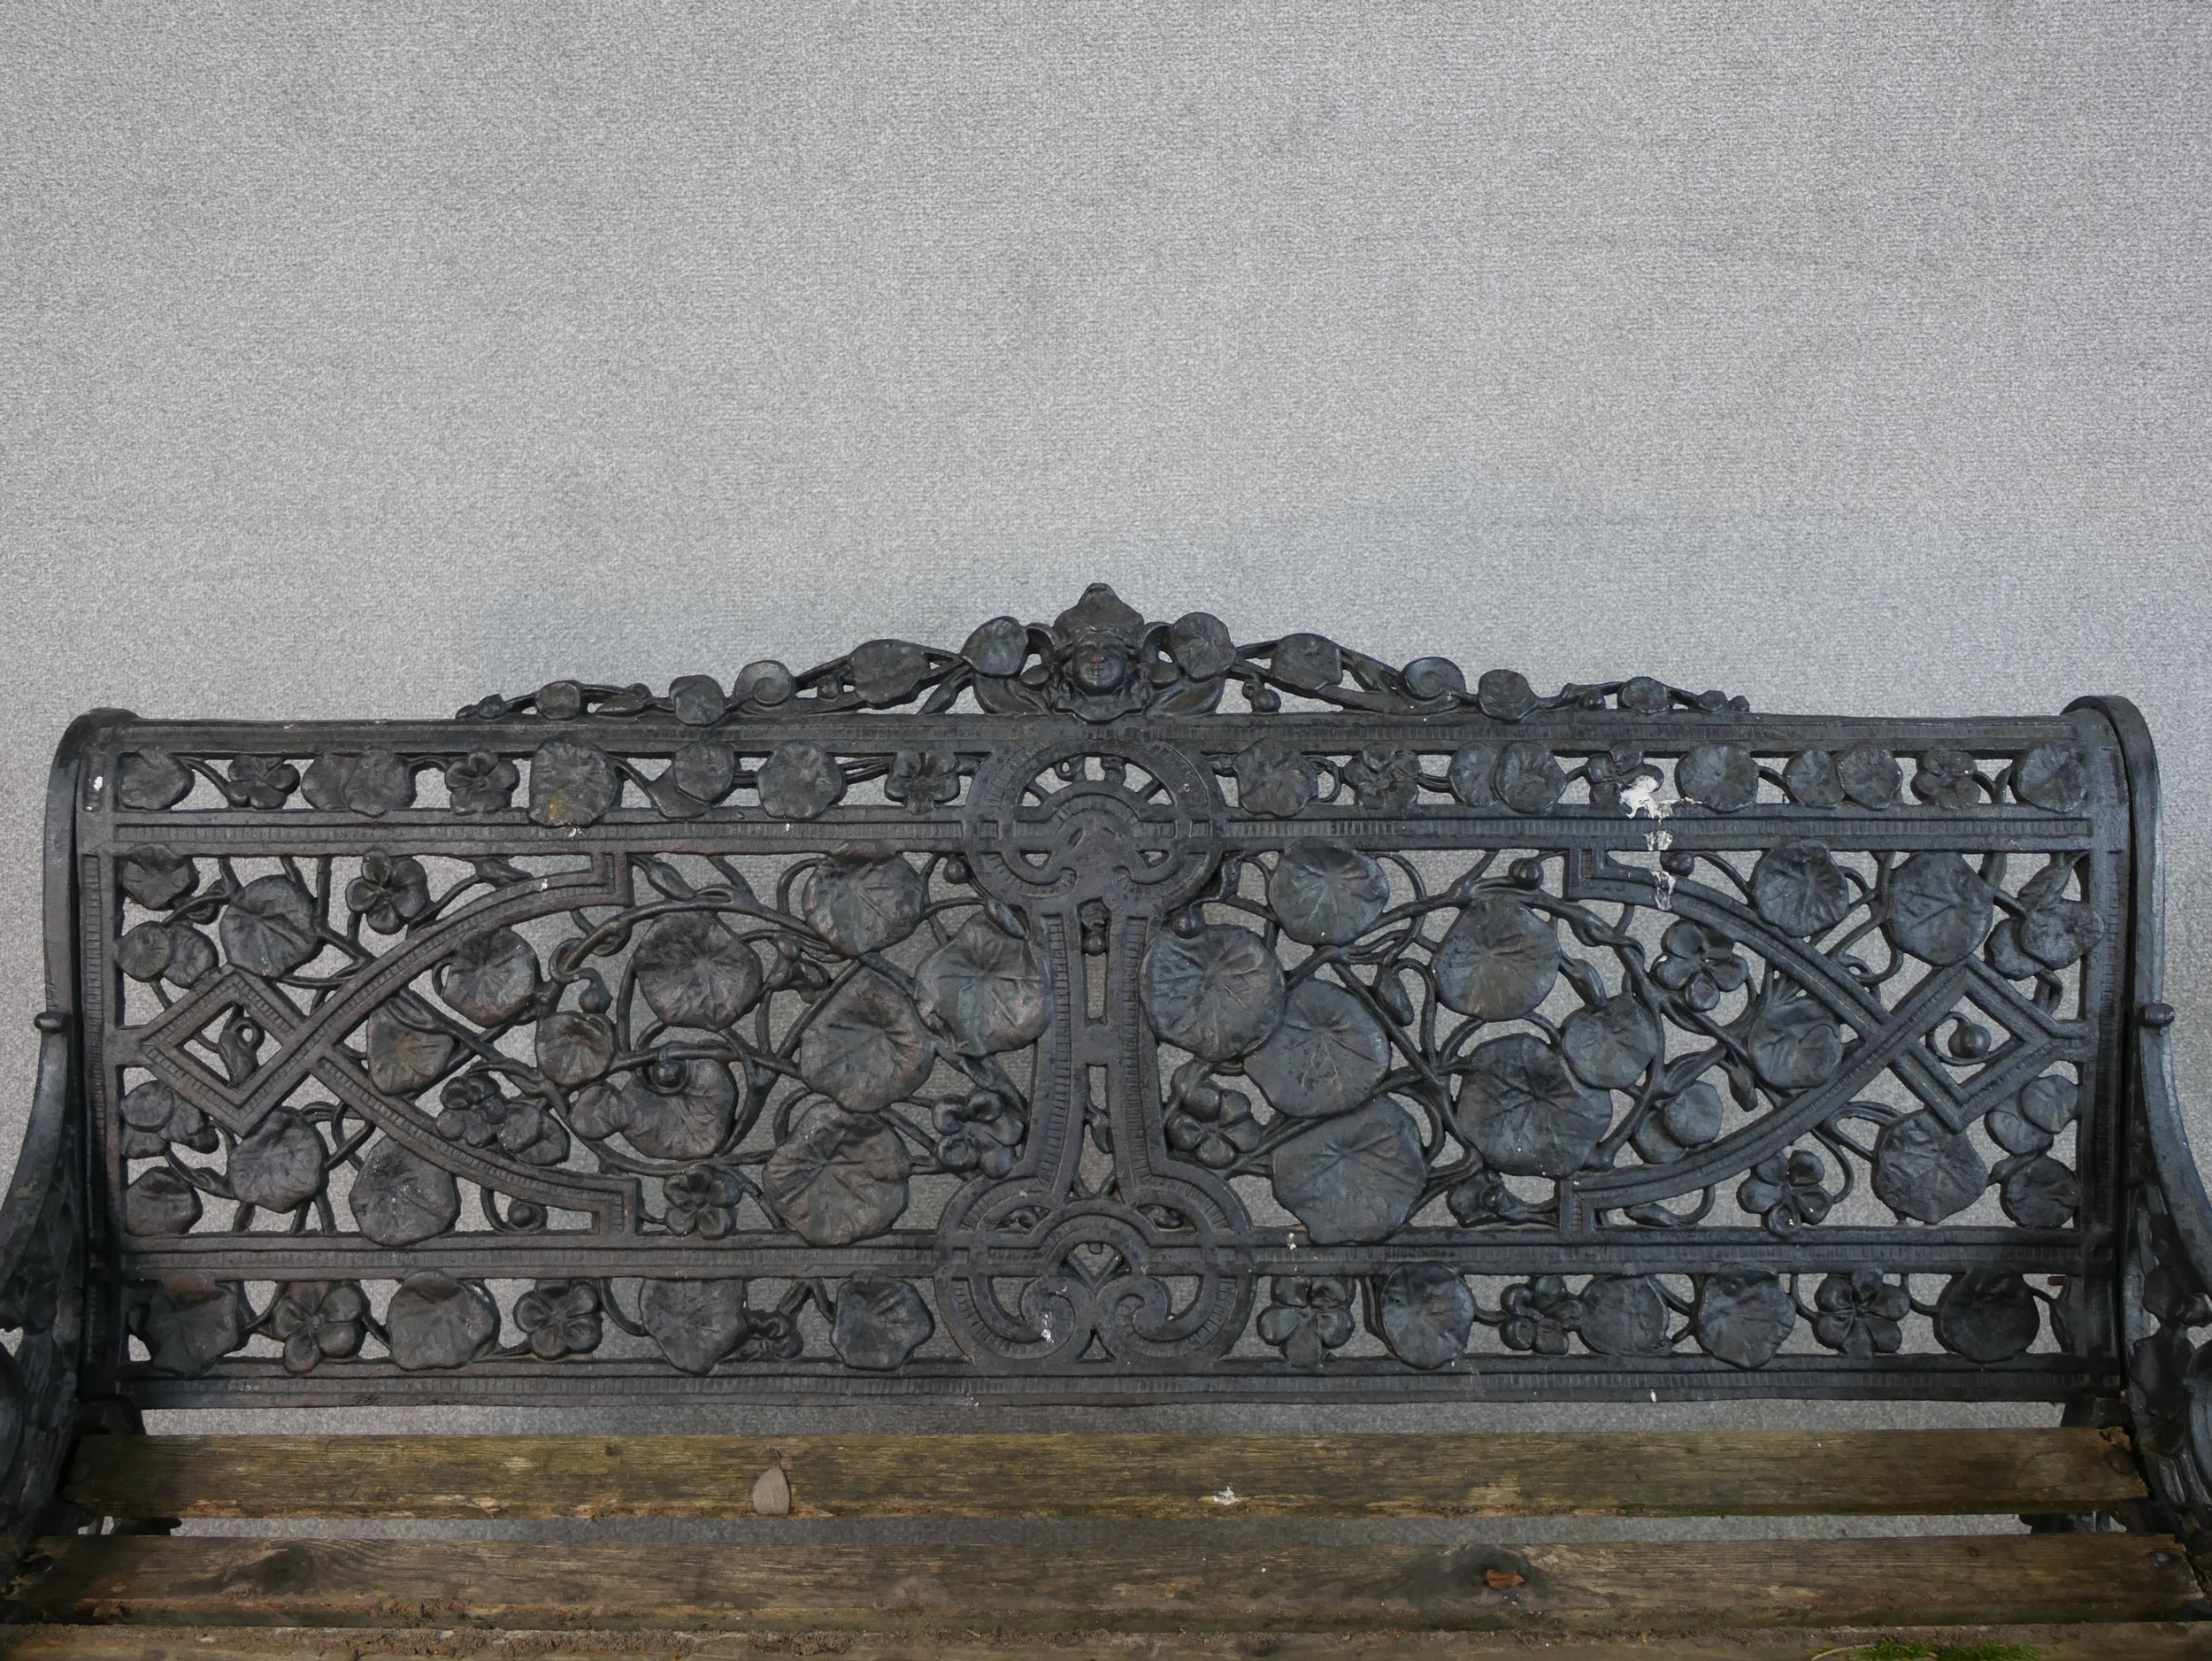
{"x":1641,"y":798}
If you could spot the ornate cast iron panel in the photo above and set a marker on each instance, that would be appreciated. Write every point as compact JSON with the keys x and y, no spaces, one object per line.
{"x":1026,"y":1022}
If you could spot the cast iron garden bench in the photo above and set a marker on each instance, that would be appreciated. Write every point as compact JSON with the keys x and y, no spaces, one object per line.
{"x":1103,"y":1013}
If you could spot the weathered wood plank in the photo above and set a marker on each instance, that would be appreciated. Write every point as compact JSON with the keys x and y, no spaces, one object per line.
{"x":1894,"y":1472}
{"x":1671,"y":1585}
{"x":2129,"y":1641}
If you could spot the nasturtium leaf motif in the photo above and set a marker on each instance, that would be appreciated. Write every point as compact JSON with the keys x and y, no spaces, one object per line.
{"x":373,"y":783}
{"x":1216,"y":992}
{"x":1694,"y":1117}
{"x":2050,"y":1101}
{"x":704,"y":770}
{"x":694,"y":1322}
{"x":1307,"y":662}
{"x":1472,"y":768}
{"x":436,"y":1321}
{"x":406,"y":1047}
{"x":2052,"y":776}
{"x":879,"y":1323}
{"x":867,"y":1046}
{"x":574,"y":1047}
{"x":862,"y":901}
{"x":888,"y":671}
{"x":1326,"y":893}
{"x":800,"y":782}
{"x":148,"y":780}
{"x":697,"y":700}
{"x":2057,"y":933}
{"x":1723,"y":777}
{"x":998,"y":647}
{"x":1273,"y":780}
{"x":1926,"y":1170}
{"x":2040,"y":1193}
{"x":1623,"y":1315}
{"x":839,"y":1177}
{"x":1743,"y":1316}
{"x":1499,"y":959}
{"x":144,"y":953}
{"x":1794,"y":1043}
{"x":1610,"y":1045}
{"x":987,"y":985}
{"x":678,"y":1107}
{"x":1529,"y":778}
{"x":2013,"y":1133}
{"x":399,"y":1197}
{"x":1353,"y":1177}
{"x":1426,"y":1313}
{"x":1987,"y":1315}
{"x":1870,"y":775}
{"x":160,"y":1202}
{"x":490,"y":978}
{"x":1948,"y":778}
{"x":1939,"y":908}
{"x":278,"y":1164}
{"x":573,"y":784}
{"x":1690,"y":1118}
{"x":191,"y":957}
{"x":1524,"y":1112}
{"x":269,"y":927}
{"x":1800,"y":888}
{"x":1327,"y":1055}
{"x":1505,"y":695}
{"x":1201,"y":645}
{"x":192,"y":1321}
{"x":693,"y":971}
{"x":1811,"y":779}
{"x":155,"y":878}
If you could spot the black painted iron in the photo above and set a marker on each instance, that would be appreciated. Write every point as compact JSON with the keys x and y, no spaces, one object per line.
{"x":1019,"y":1023}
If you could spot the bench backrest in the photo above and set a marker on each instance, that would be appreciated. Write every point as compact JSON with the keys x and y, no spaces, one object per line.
{"x":1103,"y":1012}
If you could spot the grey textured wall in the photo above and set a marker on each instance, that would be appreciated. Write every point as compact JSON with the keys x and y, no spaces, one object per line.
{"x":361,"y":360}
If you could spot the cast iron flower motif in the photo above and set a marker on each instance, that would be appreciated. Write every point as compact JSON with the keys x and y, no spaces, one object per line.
{"x":390,"y":893}
{"x":704,"y":1201}
{"x":1540,"y":1315}
{"x":1948,"y":778}
{"x":560,"y":1318}
{"x":1214,"y":1125}
{"x":1385,"y":780}
{"x":1860,"y":1312}
{"x":478,"y":1114}
{"x":1310,"y":1315}
{"x":1611,"y":772}
{"x":262,"y":781}
{"x":481,"y":782}
{"x":1699,"y":963}
{"x":980,"y":1129}
{"x":921,"y":778}
{"x":1786,"y":1191}
{"x":315,"y":1318}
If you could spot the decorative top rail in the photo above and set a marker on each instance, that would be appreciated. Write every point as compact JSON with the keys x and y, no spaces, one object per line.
{"x":1098,"y":660}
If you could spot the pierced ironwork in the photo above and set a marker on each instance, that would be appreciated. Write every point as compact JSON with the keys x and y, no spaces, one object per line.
{"x":1018,"y":1022}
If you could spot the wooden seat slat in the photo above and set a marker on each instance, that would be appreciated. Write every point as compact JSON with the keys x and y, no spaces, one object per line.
{"x":1613,"y":1474}
{"x":2117,"y":1641}
{"x":1660,"y":1584}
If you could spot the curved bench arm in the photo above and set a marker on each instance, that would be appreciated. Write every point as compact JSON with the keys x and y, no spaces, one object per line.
{"x":2165,"y":1282}
{"x":43,"y":1224}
